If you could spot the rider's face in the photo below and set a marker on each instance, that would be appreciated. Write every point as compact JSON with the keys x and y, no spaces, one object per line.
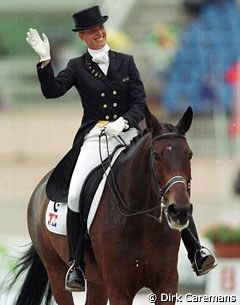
{"x":94,"y":38}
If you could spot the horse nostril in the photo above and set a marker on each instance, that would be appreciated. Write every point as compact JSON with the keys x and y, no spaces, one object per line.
{"x":173,"y":210}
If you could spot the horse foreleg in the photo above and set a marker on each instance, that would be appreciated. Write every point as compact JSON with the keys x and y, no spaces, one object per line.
{"x":121,"y":301}
{"x":118,"y":297}
{"x":167,"y":294}
{"x":96,"y":294}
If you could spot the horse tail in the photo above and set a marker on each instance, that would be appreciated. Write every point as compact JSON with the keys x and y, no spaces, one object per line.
{"x":35,"y":288}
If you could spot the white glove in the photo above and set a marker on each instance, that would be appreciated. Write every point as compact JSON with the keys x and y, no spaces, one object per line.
{"x":40,"y":45}
{"x":114,"y":128}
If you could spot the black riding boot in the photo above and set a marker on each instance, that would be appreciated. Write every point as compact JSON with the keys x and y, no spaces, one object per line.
{"x":201,"y":258}
{"x":75,"y":280}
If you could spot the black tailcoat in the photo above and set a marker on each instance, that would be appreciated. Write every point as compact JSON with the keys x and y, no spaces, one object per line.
{"x":104,"y":97}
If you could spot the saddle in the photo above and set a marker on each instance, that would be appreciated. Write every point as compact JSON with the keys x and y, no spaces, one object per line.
{"x":56,"y":213}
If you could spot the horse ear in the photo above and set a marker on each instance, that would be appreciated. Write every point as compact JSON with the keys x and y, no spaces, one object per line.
{"x":186,"y":121}
{"x":151,"y":121}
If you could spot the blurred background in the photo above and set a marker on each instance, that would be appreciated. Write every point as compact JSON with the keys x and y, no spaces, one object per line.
{"x":187,"y":53}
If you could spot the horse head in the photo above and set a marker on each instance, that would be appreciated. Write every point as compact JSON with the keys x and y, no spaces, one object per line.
{"x":170,"y":164}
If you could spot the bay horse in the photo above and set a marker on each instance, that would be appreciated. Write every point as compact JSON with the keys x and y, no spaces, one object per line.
{"x":135,"y":235}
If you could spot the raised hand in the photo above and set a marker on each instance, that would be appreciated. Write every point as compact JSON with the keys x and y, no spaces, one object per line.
{"x":39,"y":44}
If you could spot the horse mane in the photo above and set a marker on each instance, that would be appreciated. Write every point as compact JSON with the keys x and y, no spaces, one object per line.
{"x":166,"y":127}
{"x":163,"y":128}
{"x":136,"y":139}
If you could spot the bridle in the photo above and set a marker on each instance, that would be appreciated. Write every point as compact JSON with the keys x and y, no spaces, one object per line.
{"x":160,"y":191}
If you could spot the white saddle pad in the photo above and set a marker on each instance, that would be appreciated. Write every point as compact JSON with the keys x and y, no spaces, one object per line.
{"x":56,"y":213}
{"x":56,"y":216}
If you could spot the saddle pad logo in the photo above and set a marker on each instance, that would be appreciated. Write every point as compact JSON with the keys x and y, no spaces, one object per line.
{"x":56,"y":217}
{"x":52,"y":219}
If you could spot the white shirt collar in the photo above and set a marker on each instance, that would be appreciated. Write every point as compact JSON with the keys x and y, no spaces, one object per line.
{"x":105,"y":49}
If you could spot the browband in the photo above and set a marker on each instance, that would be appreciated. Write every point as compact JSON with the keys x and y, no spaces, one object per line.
{"x":168,"y":135}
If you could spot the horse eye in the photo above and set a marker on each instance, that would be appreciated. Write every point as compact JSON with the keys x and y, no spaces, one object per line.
{"x":156,"y":157}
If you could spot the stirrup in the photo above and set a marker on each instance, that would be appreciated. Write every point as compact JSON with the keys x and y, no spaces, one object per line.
{"x":211,"y":264}
{"x":68,"y":288}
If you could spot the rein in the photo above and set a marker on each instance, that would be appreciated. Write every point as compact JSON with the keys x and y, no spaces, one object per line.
{"x":160,"y":192}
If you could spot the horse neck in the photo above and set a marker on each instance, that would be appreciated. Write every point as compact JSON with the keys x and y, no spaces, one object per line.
{"x":134,"y":180}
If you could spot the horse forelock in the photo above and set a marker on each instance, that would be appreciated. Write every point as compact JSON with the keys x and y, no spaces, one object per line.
{"x":166,"y":127}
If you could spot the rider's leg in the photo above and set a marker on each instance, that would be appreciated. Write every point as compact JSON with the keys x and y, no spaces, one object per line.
{"x":201,"y":258}
{"x":88,"y":159}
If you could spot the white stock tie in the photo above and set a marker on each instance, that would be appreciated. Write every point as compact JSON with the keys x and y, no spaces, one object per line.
{"x":101,"y":58}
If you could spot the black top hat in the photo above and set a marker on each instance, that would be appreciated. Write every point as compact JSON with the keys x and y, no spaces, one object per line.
{"x":88,"y":19}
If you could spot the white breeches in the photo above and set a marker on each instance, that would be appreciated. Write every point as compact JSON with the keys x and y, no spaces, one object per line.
{"x":89,"y":158}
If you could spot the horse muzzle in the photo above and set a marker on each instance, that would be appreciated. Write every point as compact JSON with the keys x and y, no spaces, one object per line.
{"x":178,"y":215}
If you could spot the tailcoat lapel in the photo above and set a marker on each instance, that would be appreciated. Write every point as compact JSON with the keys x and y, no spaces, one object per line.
{"x":113,"y":65}
{"x":94,"y":69}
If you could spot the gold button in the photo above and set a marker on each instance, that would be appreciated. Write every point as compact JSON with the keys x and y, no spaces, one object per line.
{"x":115,"y":116}
{"x":114,"y":92}
{"x":107,"y":117}
{"x":115,"y":104}
{"x":104,"y":105}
